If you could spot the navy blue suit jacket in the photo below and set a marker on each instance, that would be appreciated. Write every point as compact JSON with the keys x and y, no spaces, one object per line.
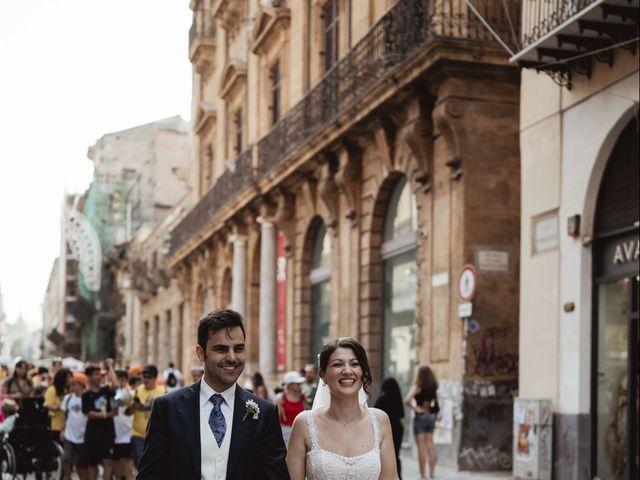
{"x":172,"y":440}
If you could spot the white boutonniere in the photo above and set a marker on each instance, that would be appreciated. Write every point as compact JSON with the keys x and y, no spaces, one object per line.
{"x":251,"y":409}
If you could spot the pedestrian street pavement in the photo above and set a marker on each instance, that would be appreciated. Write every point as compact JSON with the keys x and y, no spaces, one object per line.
{"x":410,"y":471}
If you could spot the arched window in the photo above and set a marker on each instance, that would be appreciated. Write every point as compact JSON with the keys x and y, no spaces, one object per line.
{"x":320,"y":291}
{"x":399,"y":288}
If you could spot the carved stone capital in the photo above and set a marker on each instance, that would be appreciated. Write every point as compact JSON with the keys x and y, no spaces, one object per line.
{"x":328,"y":192}
{"x":447,"y":118}
{"x":347,"y":179}
{"x":183,"y":281}
{"x":417,"y":134}
{"x":384,"y":133}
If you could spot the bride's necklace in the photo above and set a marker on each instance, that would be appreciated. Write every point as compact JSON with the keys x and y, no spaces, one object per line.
{"x":346,"y":423}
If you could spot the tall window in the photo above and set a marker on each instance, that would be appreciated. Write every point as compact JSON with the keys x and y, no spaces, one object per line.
{"x":331,"y":17}
{"x":399,"y":289}
{"x":320,"y":291}
{"x":167,"y":337}
{"x":237,"y":126}
{"x":274,"y":75}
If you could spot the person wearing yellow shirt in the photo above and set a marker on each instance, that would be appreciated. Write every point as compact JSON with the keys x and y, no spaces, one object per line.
{"x":53,"y":398}
{"x":143,"y":397}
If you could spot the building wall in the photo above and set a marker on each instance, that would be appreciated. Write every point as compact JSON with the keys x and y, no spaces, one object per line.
{"x":447,"y":121}
{"x":566,"y":139}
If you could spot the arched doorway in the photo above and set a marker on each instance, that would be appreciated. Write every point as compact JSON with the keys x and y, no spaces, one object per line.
{"x":398,"y":252}
{"x":320,"y":282}
{"x":615,"y":325}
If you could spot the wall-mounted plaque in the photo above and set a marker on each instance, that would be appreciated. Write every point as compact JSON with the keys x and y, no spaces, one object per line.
{"x":545,"y":232}
{"x":493,"y":260}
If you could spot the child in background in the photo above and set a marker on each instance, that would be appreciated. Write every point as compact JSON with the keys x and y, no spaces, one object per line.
{"x":10,"y":413}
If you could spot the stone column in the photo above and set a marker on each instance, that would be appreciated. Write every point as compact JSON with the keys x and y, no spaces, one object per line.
{"x":239,"y":274}
{"x":267,"y":298}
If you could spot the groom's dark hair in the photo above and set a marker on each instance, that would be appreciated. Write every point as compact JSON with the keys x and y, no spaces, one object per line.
{"x":217,"y":320}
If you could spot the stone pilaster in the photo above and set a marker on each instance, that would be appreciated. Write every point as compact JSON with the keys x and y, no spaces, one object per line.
{"x":238,"y":273}
{"x":267,"y":297}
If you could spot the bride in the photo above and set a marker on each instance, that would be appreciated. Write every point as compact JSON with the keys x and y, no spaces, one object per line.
{"x":344,"y":438}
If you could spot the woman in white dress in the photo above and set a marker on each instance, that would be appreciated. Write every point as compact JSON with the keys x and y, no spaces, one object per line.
{"x":343,"y":439}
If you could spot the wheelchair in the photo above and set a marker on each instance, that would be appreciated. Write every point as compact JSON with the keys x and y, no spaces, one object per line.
{"x":31,"y":446}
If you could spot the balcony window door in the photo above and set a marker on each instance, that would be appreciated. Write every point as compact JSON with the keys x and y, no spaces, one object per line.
{"x":331,"y":24}
{"x":274,"y":75}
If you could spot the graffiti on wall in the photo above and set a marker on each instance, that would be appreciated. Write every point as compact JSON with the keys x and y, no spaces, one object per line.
{"x":492,"y":354}
{"x":487,"y":425}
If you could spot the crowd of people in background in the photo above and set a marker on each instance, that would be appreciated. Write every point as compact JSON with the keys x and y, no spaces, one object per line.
{"x":99,"y":415}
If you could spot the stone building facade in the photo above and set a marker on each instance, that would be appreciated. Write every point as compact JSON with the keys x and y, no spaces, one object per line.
{"x":350,"y":159}
{"x":579,"y":229}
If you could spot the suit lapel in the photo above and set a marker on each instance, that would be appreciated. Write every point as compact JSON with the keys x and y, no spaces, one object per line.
{"x":189,"y":411}
{"x":240,"y":429}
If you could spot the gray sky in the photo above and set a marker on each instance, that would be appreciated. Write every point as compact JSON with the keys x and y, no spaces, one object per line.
{"x":73,"y":70}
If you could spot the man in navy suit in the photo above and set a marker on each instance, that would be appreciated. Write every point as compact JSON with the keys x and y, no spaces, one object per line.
{"x":214,"y":429}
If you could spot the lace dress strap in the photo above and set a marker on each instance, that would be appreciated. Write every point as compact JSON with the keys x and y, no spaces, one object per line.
{"x":313,"y":430}
{"x":376,"y":427}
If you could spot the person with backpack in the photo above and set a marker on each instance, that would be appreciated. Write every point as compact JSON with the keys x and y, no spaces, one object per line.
{"x":173,"y":378}
{"x":73,"y":428}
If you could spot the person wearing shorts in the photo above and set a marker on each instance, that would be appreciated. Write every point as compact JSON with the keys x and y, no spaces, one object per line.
{"x":123,"y":423}
{"x":423,"y":400}
{"x":99,"y":406}
{"x":74,"y":425}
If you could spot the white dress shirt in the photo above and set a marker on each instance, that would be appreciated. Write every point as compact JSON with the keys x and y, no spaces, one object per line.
{"x":213,"y":463}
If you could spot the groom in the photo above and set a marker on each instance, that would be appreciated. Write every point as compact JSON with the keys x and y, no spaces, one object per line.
{"x":214,"y":429}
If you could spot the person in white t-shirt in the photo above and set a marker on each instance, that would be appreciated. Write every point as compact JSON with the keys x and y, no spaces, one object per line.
{"x":173,"y":378}
{"x":123,"y":423}
{"x":73,"y":429}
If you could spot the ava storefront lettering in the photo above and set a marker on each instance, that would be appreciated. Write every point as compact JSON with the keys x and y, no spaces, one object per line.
{"x":627,"y":251}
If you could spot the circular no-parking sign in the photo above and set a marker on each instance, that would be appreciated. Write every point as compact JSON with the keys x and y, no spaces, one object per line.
{"x":467,"y":283}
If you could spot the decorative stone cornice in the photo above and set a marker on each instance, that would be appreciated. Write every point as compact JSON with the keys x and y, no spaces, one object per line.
{"x":234,"y":75}
{"x":230,"y":13}
{"x":384,"y":132}
{"x":270,"y":22}
{"x":205,"y":117}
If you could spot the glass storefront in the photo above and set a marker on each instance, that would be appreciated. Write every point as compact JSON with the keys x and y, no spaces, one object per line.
{"x":613,"y":366}
{"x":399,"y":290}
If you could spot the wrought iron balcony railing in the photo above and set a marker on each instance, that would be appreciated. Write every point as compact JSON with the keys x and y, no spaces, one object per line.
{"x":540,"y":17}
{"x":395,"y":38}
{"x":562,"y":37}
{"x":226,"y":187}
{"x":406,"y":27}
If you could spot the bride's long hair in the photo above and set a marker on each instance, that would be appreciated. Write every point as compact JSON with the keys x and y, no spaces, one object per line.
{"x":359,"y":351}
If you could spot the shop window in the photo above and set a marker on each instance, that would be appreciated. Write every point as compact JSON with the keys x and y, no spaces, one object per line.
{"x":399,"y":287}
{"x":320,"y":277}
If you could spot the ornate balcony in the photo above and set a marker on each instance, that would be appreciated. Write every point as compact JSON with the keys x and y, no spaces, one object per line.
{"x":393,"y":40}
{"x":391,"y":43}
{"x":202,"y":42}
{"x":563,"y":37}
{"x":227,"y":186}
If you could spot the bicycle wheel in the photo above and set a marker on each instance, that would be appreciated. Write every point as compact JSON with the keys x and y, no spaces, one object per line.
{"x":7,"y":462}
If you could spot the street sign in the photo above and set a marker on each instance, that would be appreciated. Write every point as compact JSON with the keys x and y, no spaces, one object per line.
{"x":465,"y":309}
{"x":467,"y":283}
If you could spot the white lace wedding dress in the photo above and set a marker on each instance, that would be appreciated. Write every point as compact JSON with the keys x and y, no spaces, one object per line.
{"x":326,"y":465}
